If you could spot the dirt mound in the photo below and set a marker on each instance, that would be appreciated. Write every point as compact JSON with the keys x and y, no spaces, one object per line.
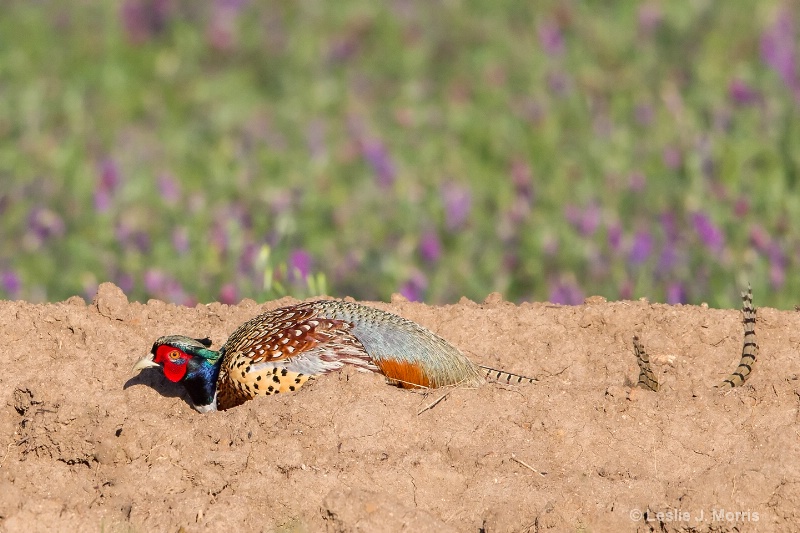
{"x":87,"y":446}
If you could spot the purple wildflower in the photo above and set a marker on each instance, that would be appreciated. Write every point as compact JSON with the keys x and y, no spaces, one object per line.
{"x":584,"y":219}
{"x":669,"y":226}
{"x":522,"y":178}
{"x":376,"y":154}
{"x":676,"y":294}
{"x":641,"y":248}
{"x":457,"y":200}
{"x":559,"y":82}
{"x":723,"y":119}
{"x":551,"y":38}
{"x":221,"y":32}
{"x":342,"y":48}
{"x":650,"y":17}
{"x":107,"y":183}
{"x":248,"y":258}
{"x":154,"y":280}
{"x":44,"y":223}
{"x":707,"y":164}
{"x":280,"y":202}
{"x":598,"y":262}
{"x":180,"y":239}
{"x":520,"y":210}
{"x":626,"y":290}
{"x":668,"y":259}
{"x":615,"y":236}
{"x":234,"y":5}
{"x":109,"y":175}
{"x":573,"y":215}
{"x":565,"y":293}
{"x":778,"y":48}
{"x":602,"y":124}
{"x":299,"y":264}
{"x":414,"y":288}
{"x":143,"y":19}
{"x":219,"y":236}
{"x":228,"y":294}
{"x":102,"y":200}
{"x":644,"y":114}
{"x":550,"y":245}
{"x":759,"y":238}
{"x":672,"y":157}
{"x":169,"y":189}
{"x":511,"y":261}
{"x":141,"y":241}
{"x":242,"y":216}
{"x":89,"y":288}
{"x":122,"y":232}
{"x":637,"y":181}
{"x":590,"y":220}
{"x":124,"y":282}
{"x":173,"y":292}
{"x":777,"y":265}
{"x":710,"y":235}
{"x":669,"y":254}
{"x":132,"y":238}
{"x":11,"y":284}
{"x":430,"y":246}
{"x":741,"y":93}
{"x":160,"y":285}
{"x":741,"y":207}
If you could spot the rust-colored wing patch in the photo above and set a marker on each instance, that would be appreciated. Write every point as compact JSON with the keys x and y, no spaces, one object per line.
{"x":403,"y":373}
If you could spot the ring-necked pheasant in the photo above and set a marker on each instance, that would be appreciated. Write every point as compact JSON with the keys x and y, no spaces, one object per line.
{"x":280,"y":350}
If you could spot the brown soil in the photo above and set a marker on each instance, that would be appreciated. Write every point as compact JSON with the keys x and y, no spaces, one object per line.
{"x":87,"y":447}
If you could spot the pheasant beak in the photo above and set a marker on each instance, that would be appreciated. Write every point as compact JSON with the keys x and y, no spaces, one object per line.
{"x":144,"y":362}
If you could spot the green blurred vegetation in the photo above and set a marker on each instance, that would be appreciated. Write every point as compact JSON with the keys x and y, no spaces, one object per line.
{"x":546,"y":150}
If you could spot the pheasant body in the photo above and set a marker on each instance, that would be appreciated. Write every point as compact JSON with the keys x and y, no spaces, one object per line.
{"x":278,"y":351}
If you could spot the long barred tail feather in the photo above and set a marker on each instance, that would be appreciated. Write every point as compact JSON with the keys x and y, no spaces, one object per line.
{"x":647,"y":379}
{"x":501,"y":376}
{"x":750,"y":348}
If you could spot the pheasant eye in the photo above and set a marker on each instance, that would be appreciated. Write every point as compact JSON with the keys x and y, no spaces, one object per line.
{"x":174,"y":355}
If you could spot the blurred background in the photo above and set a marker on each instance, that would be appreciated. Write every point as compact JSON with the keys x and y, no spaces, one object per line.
{"x":551,"y":150}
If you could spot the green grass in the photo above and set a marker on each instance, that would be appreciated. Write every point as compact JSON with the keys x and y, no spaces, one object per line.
{"x":340,"y":129}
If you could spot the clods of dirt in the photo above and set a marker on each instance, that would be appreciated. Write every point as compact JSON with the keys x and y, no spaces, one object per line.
{"x":88,"y":446}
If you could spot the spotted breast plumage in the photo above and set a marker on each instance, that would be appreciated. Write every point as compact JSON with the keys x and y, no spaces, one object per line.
{"x":280,"y":350}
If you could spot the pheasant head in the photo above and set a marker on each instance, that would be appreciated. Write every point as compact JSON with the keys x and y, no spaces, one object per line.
{"x":188,"y":361}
